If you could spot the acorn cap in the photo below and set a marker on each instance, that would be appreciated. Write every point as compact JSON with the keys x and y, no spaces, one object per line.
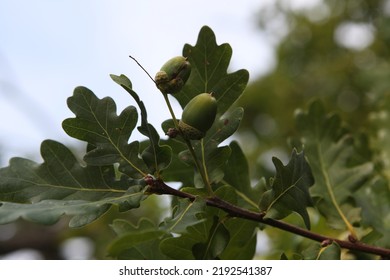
{"x":173,"y":75}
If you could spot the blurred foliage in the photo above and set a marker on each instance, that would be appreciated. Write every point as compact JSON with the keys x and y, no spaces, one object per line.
{"x":335,"y":51}
{"x":316,"y":58}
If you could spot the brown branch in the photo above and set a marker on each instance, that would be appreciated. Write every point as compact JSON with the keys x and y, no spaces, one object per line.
{"x":157,"y":186}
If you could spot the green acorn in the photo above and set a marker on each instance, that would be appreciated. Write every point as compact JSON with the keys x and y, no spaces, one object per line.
{"x":198,"y":116}
{"x":173,"y":75}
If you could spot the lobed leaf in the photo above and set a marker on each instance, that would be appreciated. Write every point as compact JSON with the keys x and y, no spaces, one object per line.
{"x":136,"y":242}
{"x":156,"y":156}
{"x":209,"y":64}
{"x":289,"y":189}
{"x":185,"y":214}
{"x":61,"y":185}
{"x":318,"y":252}
{"x":375,"y":205}
{"x":97,"y":123}
{"x":237,"y":175}
{"x":330,"y":149}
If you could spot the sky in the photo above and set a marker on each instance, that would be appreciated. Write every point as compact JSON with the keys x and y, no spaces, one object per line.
{"x":47,"y":48}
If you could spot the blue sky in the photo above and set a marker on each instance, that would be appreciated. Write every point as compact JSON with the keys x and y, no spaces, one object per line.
{"x":47,"y":48}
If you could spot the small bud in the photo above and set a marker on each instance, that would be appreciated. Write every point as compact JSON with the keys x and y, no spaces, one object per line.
{"x":198,"y":116}
{"x":172,"y":132}
{"x":173,"y":75}
{"x":326,"y":242}
{"x":352,"y":238}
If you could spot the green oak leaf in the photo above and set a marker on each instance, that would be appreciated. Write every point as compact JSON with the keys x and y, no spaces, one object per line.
{"x":208,"y":148}
{"x":136,"y":242}
{"x":97,"y":123}
{"x":156,"y":156}
{"x":185,"y":214}
{"x":237,"y":175}
{"x":375,"y":205}
{"x":289,"y":189}
{"x":61,"y":185}
{"x":209,"y":64}
{"x":330,"y":150}
{"x":241,"y":244}
{"x":218,"y":239}
{"x":318,"y":252}
{"x":181,"y":247}
{"x":217,"y":236}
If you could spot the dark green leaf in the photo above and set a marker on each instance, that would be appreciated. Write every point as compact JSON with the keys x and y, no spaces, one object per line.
{"x":155,"y":156}
{"x":61,"y":185}
{"x":216,"y":243}
{"x":140,"y":242}
{"x":185,"y":214}
{"x":209,"y":63}
{"x":177,"y":171}
{"x":318,"y":252}
{"x":180,"y":248}
{"x":97,"y":123}
{"x":242,"y":233}
{"x":289,"y":190}
{"x":237,"y":175}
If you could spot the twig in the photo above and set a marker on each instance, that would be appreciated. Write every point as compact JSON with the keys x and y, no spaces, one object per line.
{"x":157,"y":186}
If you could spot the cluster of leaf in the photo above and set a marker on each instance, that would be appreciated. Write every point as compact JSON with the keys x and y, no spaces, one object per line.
{"x":114,"y":168}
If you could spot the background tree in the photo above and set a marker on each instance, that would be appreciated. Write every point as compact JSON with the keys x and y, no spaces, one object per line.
{"x":335,"y":51}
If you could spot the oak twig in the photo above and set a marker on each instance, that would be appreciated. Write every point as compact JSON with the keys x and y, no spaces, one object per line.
{"x":157,"y":186}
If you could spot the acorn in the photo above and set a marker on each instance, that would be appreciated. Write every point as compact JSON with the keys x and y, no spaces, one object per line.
{"x":173,"y":75}
{"x":198,"y":116}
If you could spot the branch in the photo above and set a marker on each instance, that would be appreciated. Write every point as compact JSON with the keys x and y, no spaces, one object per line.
{"x":157,"y":186}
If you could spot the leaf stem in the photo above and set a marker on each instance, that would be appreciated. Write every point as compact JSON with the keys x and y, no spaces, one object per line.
{"x":157,"y":186}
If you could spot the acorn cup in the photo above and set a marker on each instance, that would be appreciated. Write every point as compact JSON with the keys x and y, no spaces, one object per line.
{"x":173,"y":75}
{"x":198,"y":116}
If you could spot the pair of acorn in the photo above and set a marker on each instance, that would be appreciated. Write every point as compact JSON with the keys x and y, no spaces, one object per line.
{"x":199,"y":114}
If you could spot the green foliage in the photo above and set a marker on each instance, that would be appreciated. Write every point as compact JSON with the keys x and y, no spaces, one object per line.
{"x":219,"y":206}
{"x":209,"y":63}
{"x":318,"y":252}
{"x":61,"y":185}
{"x":289,"y":190}
{"x":337,"y":177}
{"x":340,"y":98}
